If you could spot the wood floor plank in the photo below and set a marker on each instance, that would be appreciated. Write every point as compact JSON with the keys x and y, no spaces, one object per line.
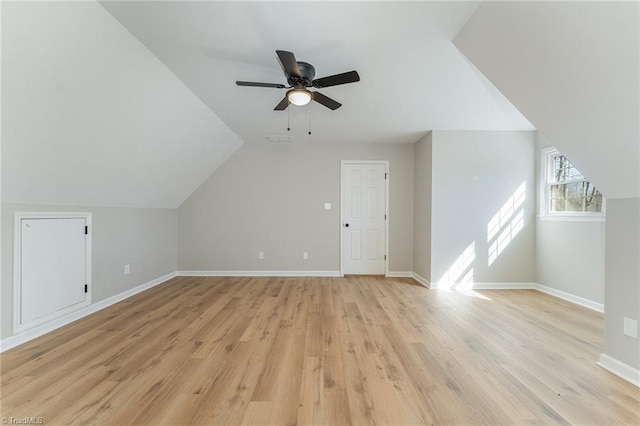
{"x":258,"y":413}
{"x":311,"y":409}
{"x":286,"y":399}
{"x":320,"y":351}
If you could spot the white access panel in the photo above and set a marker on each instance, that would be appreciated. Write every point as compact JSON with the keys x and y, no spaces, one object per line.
{"x":52,"y":268}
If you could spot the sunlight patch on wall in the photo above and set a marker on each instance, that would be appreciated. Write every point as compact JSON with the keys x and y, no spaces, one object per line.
{"x":459,"y":276}
{"x":506,"y":223}
{"x":460,"y":269}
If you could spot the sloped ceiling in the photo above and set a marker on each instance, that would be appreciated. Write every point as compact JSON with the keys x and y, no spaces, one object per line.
{"x":413,"y":79}
{"x":573,"y":69}
{"x":91,"y":117}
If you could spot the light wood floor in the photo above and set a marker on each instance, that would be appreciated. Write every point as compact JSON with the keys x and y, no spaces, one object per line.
{"x":332,"y":351}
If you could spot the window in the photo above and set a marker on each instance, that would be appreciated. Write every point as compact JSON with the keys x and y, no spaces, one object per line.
{"x":565,"y":190}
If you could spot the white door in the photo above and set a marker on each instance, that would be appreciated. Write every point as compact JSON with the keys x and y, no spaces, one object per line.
{"x":363,"y":218}
{"x":52,"y":268}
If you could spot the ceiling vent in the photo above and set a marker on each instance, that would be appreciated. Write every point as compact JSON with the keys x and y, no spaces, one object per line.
{"x":279,"y":139}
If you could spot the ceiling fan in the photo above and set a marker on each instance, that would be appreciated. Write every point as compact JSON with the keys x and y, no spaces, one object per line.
{"x":300,"y":75}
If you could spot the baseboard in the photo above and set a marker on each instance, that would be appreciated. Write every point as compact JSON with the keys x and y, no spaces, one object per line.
{"x":503,"y":286}
{"x":620,"y":369}
{"x":599,"y":307}
{"x":422,"y":280}
{"x":487,"y":286}
{"x":259,"y":273}
{"x":20,"y":338}
{"x":399,"y":274}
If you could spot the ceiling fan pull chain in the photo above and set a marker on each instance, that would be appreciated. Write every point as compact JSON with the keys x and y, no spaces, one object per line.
{"x":288,"y":120}
{"x":309,"y":120}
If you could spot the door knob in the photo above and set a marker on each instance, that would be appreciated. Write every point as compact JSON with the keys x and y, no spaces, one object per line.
{"x":346,"y":225}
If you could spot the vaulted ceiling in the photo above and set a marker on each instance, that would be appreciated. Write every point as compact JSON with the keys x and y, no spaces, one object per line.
{"x":412,"y":77}
{"x":91,"y":117}
{"x":134,"y":103}
{"x":574,"y":69}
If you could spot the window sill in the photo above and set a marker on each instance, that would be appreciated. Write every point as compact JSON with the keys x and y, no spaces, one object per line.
{"x":567,"y":218}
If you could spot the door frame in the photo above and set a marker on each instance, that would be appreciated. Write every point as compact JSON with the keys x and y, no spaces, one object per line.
{"x":343,"y":163}
{"x":18,"y":327}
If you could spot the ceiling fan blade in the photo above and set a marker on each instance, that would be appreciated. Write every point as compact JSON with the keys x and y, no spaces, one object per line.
{"x":284,"y":103}
{"x":337,"y":79}
{"x":288,"y":63}
{"x":255,"y":84}
{"x":326,"y":101}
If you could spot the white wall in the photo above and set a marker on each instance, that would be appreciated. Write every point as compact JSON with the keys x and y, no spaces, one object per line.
{"x":570,"y":257}
{"x":476,"y":176}
{"x":422,"y":207}
{"x":146,"y":239}
{"x":569,"y":253}
{"x":270,"y":197}
{"x":622,"y":277}
{"x":91,"y":117}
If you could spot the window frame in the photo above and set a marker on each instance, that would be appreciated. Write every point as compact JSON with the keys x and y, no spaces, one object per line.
{"x":545,"y":184}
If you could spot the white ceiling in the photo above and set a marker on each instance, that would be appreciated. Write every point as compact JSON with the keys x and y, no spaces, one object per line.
{"x":574,"y":69}
{"x":91,"y":117}
{"x":413,"y":79}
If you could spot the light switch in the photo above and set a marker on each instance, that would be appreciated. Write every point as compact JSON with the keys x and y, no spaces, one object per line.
{"x":327,"y":206}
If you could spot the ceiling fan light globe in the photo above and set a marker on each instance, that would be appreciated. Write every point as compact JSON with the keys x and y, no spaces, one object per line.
{"x":299,"y":97}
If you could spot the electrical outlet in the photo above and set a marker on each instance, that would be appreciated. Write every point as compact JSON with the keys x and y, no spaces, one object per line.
{"x":260,"y":255}
{"x":127,"y":269}
{"x":630,"y":327}
{"x":305,"y":255}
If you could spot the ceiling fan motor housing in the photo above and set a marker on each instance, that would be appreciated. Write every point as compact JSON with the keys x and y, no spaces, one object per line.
{"x":307,"y":74}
